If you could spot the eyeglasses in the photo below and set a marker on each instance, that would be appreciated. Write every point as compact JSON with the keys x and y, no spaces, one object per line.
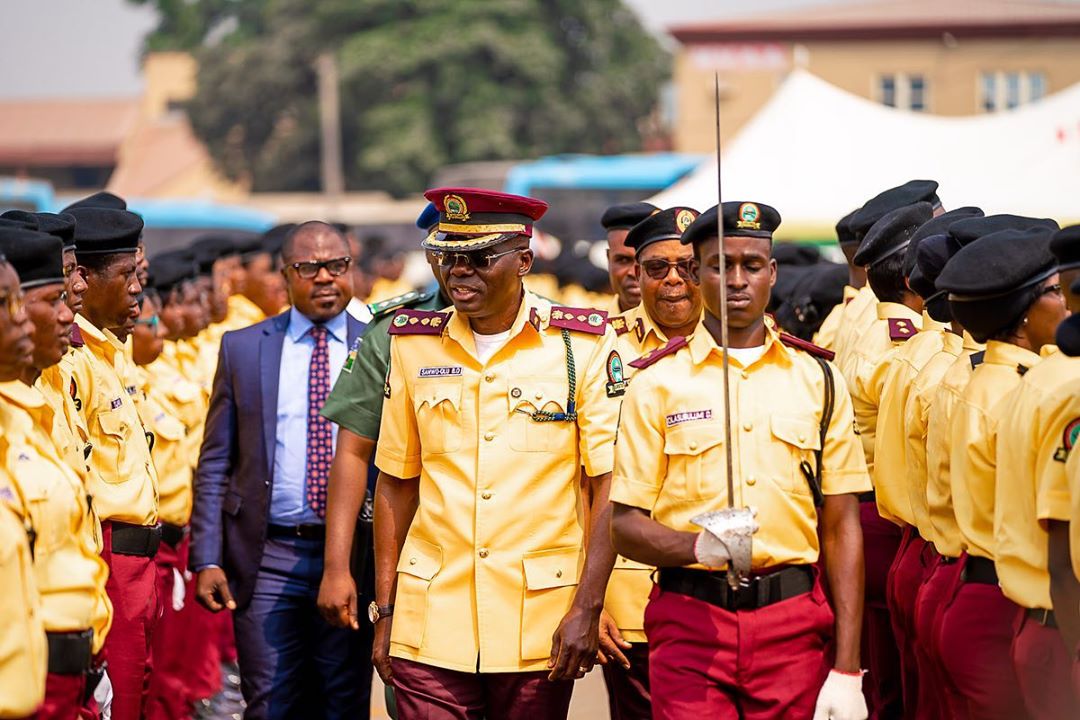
{"x":658,"y":269}
{"x":472,"y":260}
{"x":150,"y":322}
{"x":310,"y":269}
{"x":1054,"y":289}
{"x":13,"y":301}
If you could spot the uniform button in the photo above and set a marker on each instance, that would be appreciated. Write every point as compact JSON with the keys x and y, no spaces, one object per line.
{"x":748,"y":426}
{"x":743,"y":374}
{"x":486,"y":494}
{"x":558,"y":573}
{"x":751,"y":480}
{"x":490,"y":377}
{"x":483,"y":552}
{"x":489,"y":436}
{"x":515,"y":393}
{"x":802,"y":437}
{"x":539,"y":395}
{"x":412,"y":561}
{"x":693,"y":446}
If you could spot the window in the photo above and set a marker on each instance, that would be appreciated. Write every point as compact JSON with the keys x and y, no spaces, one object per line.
{"x":907,"y":92}
{"x":1009,"y":90}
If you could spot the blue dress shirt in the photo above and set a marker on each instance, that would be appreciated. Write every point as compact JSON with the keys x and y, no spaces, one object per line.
{"x":288,"y":495}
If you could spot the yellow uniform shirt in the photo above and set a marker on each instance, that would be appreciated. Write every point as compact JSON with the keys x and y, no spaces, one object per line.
{"x":868,"y":364}
{"x":172,"y":450}
{"x":1072,"y":475}
{"x":858,"y":315}
{"x":23,"y":653}
{"x":69,"y":430}
{"x":242,"y":312}
{"x":916,"y":421}
{"x":492,"y":558}
{"x":1037,"y":424}
{"x":385,"y":289}
{"x":122,"y":482}
{"x":827,"y":334}
{"x":70,"y":573}
{"x":670,"y":457}
{"x":973,"y":442}
{"x":891,"y":465}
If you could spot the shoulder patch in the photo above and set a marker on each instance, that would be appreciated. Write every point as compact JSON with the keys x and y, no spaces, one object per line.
{"x":673,"y":346}
{"x":418,"y":322}
{"x":384,"y":308}
{"x":1068,"y":439}
{"x":618,"y":324}
{"x":350,"y":359}
{"x":901,"y":329}
{"x":806,"y":346}
{"x":76,"y":337}
{"x":977,"y":359}
{"x":585,"y":320}
{"x":616,"y":384}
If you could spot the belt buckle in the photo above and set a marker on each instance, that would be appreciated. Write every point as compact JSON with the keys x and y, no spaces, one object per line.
{"x":1042,"y":616}
{"x":744,"y":596}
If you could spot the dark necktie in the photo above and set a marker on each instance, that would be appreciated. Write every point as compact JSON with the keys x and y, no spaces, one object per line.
{"x":320,"y":438}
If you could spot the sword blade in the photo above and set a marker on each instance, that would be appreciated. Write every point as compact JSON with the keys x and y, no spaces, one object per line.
{"x":723,"y":307}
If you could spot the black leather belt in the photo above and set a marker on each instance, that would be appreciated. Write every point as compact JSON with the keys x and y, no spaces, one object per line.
{"x":947,"y":560}
{"x":172,"y":535}
{"x":304,"y":532}
{"x":1043,"y":617}
{"x":69,"y":653}
{"x":760,"y":590}
{"x":980,"y":570}
{"x":867,"y":496}
{"x":139,"y":540}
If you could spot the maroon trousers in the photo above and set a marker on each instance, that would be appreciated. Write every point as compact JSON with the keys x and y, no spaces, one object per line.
{"x":64,"y":699}
{"x":628,"y":688}
{"x":881,"y":542}
{"x":206,"y":633}
{"x":938,"y":700}
{"x":1043,"y":667}
{"x":425,"y":692}
{"x":905,"y":578}
{"x":132,"y":588}
{"x":975,"y":641}
{"x":169,"y":696}
{"x":765,"y":664}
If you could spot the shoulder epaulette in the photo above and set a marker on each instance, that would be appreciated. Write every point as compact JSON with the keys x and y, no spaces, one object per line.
{"x":672,"y":347}
{"x":977,"y":359}
{"x":76,"y":337}
{"x":585,"y":320}
{"x":901,"y":329}
{"x":618,"y":324}
{"x":418,"y":322}
{"x":384,"y":308}
{"x":806,"y":346}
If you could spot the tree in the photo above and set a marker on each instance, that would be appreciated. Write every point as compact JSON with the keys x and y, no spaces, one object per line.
{"x":424,"y":83}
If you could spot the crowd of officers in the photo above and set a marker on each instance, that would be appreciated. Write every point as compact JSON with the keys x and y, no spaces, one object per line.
{"x":917,"y":547}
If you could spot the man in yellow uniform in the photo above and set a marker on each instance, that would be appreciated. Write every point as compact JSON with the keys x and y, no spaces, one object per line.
{"x":1004,"y":289}
{"x":670,"y":307}
{"x":488,"y":597}
{"x":758,"y":650}
{"x":622,"y":268}
{"x":828,"y":334}
{"x":122,"y":479}
{"x":70,"y":574}
{"x":1037,"y":423}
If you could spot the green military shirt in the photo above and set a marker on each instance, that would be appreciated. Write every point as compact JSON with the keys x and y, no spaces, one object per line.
{"x":356,"y":401}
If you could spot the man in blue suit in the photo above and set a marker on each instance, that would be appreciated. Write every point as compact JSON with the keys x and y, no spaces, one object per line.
{"x":260,"y":492}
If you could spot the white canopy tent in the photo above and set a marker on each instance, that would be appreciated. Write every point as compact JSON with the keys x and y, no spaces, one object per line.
{"x":815,"y":152}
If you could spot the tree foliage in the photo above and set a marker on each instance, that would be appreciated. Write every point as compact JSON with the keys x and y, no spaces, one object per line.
{"x":424,"y":83}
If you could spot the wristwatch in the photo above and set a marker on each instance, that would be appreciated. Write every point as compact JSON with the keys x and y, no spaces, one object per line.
{"x":376,"y":612}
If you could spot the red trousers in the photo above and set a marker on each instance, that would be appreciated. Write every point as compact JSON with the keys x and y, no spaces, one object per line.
{"x":881,"y":542}
{"x":1076,"y":673}
{"x":206,"y":632}
{"x":938,"y":700}
{"x":628,"y":689}
{"x":64,"y":699}
{"x":430,"y":693}
{"x":132,"y":588}
{"x":1043,"y":667}
{"x":905,"y":578}
{"x":976,"y":636}
{"x":169,"y":697}
{"x":765,"y":664}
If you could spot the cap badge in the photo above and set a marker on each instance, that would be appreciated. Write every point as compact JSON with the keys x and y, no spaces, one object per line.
{"x":683,"y":220}
{"x":749,"y":217}
{"x":456,"y":209}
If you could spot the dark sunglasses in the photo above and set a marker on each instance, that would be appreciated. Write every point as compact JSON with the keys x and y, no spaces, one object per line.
{"x":658,"y":269}
{"x":473,"y":260}
{"x":310,"y":269}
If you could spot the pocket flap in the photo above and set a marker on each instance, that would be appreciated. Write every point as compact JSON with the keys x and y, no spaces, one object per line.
{"x":113,"y":424}
{"x":420,"y":558}
{"x":530,"y":394}
{"x":795,"y":431}
{"x":625,"y":563}
{"x":168,"y":427}
{"x":433,"y":393}
{"x":554,"y":568}
{"x":693,"y":439}
{"x":232,"y":503}
{"x":184,"y":392}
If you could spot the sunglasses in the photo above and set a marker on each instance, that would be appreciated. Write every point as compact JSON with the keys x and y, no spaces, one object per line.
{"x":310,"y":269}
{"x":13,"y":301}
{"x":658,"y":269}
{"x":472,"y":260}
{"x":150,"y":322}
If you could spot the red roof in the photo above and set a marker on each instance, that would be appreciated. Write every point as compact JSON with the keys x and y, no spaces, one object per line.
{"x":875,"y":19}
{"x":63,"y":132}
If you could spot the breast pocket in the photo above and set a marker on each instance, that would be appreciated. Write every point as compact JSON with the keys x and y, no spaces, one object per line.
{"x":530,"y":432}
{"x":115,"y":434}
{"x":693,"y":468}
{"x":798,"y":436}
{"x":418,"y":564}
{"x":438,"y":416}
{"x":46,"y":515}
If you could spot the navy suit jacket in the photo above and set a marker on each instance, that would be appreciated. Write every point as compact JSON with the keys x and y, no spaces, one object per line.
{"x":234,"y":477}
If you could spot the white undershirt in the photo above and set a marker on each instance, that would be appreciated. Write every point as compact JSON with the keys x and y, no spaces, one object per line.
{"x":488,"y":345}
{"x":747,"y":356}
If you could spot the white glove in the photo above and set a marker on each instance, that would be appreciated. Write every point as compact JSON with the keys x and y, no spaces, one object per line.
{"x":841,"y":698}
{"x":103,"y":696}
{"x":179,"y":590}
{"x":710,"y":551}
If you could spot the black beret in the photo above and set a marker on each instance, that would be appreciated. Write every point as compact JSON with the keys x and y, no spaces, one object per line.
{"x":932,"y":255}
{"x":1068,"y":333}
{"x":892,"y":233}
{"x":208,"y":249}
{"x":936,"y":226}
{"x":37,"y":257}
{"x":790,"y":253}
{"x":844,"y":234}
{"x":249,"y":246}
{"x":100,"y":231}
{"x":667,"y":224}
{"x":1066,"y":247}
{"x":274,"y":238}
{"x":99,"y":200}
{"x":970,"y":229}
{"x":625,"y":216}
{"x":877,"y":207}
{"x":170,"y":270}
{"x":21,"y":218}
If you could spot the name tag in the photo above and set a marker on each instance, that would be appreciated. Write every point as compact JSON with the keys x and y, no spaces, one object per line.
{"x":116,"y":403}
{"x":444,"y":371}
{"x":689,"y":416}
